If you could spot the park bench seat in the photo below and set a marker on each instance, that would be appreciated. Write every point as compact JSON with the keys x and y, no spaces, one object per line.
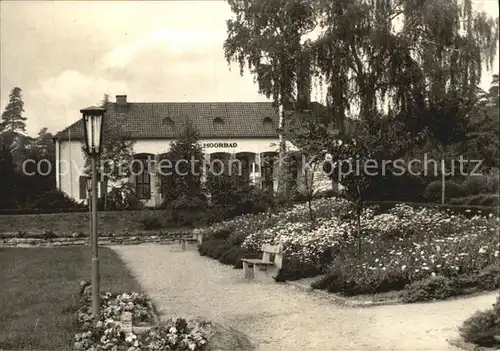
{"x":191,"y":241}
{"x":265,"y":268}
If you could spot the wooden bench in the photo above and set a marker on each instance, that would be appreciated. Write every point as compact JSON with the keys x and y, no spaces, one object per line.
{"x":266,"y":268}
{"x":191,"y":242}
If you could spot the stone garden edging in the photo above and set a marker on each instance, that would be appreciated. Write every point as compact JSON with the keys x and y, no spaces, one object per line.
{"x":342,"y":300}
{"x":103,"y":241}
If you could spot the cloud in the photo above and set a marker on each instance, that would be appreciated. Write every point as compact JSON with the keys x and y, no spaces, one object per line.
{"x":174,"y":41}
{"x":74,"y":85}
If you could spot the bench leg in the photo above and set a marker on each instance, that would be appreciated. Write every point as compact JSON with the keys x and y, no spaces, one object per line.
{"x":260,"y":273}
{"x":248,"y":271}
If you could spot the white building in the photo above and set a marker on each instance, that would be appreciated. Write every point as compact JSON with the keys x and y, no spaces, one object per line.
{"x":243,"y":130}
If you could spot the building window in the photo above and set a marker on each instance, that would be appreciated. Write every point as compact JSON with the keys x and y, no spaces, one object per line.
{"x":219,"y":163}
{"x":82,"y":183}
{"x":246,"y":161}
{"x":142,"y":178}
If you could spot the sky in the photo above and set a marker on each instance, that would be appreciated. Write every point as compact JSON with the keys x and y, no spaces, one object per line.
{"x":65,"y":55}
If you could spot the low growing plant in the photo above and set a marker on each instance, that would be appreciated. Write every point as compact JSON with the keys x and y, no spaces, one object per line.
{"x":434,"y":288}
{"x":483,"y":327}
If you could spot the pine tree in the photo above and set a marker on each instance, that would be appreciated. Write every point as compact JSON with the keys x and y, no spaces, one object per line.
{"x":7,"y":176}
{"x":184,"y":178}
{"x":12,"y":119}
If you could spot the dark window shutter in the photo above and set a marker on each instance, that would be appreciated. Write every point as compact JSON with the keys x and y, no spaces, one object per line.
{"x":83,"y":187}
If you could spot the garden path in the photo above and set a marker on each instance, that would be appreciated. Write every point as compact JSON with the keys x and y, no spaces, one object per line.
{"x":281,"y":317}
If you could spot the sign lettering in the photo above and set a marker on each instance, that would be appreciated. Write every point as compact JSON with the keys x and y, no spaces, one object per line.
{"x":126,"y":323}
{"x":220,"y":145}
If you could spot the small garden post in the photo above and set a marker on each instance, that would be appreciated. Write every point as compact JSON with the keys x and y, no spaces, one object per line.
{"x":92,"y":125}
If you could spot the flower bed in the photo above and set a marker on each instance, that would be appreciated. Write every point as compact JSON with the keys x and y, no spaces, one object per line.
{"x":418,"y":249}
{"x":175,"y":334}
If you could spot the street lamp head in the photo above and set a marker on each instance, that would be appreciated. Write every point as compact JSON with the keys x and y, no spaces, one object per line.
{"x":93,"y":119}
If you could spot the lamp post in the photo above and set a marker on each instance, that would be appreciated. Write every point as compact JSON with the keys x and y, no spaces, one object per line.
{"x":92,"y":118}
{"x":89,"y":201}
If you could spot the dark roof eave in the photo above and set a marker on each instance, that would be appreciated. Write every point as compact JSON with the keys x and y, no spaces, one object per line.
{"x":66,"y":138}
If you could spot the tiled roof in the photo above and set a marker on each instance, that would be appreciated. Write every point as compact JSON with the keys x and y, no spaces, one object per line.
{"x":167,"y":120}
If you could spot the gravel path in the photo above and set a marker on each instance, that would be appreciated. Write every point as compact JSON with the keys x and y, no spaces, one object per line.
{"x":280,"y":317}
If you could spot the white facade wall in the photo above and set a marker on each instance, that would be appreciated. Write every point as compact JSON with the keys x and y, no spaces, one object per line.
{"x":71,"y":160}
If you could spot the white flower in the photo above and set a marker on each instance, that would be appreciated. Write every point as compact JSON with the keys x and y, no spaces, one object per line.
{"x":130,"y":338}
{"x":403,"y":267}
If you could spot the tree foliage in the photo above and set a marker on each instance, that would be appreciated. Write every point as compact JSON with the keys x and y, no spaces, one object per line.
{"x":117,"y":148}
{"x":417,"y":63}
{"x":12,"y":117}
{"x":183,"y":173}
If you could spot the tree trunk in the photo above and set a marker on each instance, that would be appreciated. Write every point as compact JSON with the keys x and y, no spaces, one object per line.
{"x":311,"y":216}
{"x":359,"y":232}
{"x":359,"y":211}
{"x":309,"y":195}
{"x":282,"y":152}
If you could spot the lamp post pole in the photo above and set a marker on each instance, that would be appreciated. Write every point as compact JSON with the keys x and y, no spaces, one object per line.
{"x":95,"y":255}
{"x":89,"y":203}
{"x":92,"y":119}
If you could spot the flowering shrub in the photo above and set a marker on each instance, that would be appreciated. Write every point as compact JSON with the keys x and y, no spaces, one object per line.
{"x":399,"y":247}
{"x":106,"y":334}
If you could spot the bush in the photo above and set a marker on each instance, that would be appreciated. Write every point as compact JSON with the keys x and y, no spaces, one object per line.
{"x":231,"y":196}
{"x":452,"y":189}
{"x":188,"y":211}
{"x":121,"y":198}
{"x":481,"y":184}
{"x":433,"y":288}
{"x":489,"y":277}
{"x":55,"y":199}
{"x":234,"y":255}
{"x":482,"y":327}
{"x":294,"y":269}
{"x":208,"y":247}
{"x":221,"y":247}
{"x":351,"y":282}
{"x":488,"y":200}
{"x":151,"y":223}
{"x":404,"y":187}
{"x":49,"y":234}
{"x":220,"y":234}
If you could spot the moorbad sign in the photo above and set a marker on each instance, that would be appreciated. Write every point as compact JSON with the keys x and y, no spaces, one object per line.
{"x":220,"y":145}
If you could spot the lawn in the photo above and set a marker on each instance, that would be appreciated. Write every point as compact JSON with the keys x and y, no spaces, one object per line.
{"x":64,"y":224}
{"x":40,"y":292}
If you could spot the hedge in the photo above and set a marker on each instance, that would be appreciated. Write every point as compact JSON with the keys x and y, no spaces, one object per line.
{"x":459,"y":209}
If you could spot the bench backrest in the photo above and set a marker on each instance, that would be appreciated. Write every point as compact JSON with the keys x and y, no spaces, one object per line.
{"x":198,"y":236}
{"x":273,"y":253}
{"x":275,"y":249}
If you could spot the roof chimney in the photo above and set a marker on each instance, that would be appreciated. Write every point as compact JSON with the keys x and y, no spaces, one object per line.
{"x":121,"y":100}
